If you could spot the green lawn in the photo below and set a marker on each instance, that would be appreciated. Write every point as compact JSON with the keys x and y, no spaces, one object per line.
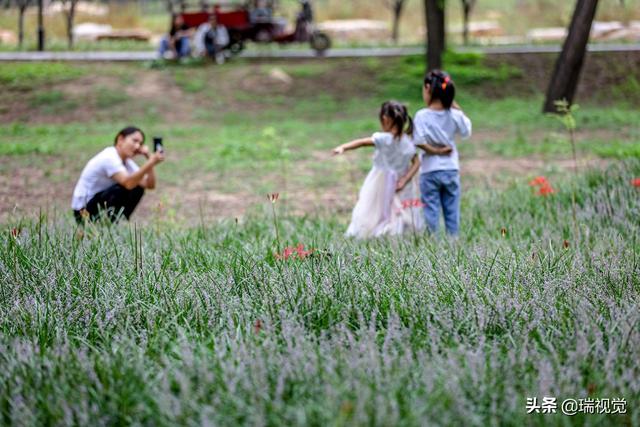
{"x":222,"y":124}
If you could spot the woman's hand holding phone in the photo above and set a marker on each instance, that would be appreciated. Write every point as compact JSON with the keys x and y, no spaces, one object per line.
{"x":157,"y":144}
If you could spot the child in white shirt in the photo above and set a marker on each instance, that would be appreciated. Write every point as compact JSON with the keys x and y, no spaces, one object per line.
{"x":438,"y":125}
{"x":386,"y":202}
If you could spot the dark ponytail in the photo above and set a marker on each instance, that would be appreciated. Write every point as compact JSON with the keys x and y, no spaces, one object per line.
{"x":399,"y":116}
{"x":408,"y":120}
{"x":128,"y":131}
{"x":441,"y":87}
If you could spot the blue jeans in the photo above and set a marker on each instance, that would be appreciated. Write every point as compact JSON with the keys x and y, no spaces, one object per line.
{"x":182,"y":47}
{"x":441,"y":189}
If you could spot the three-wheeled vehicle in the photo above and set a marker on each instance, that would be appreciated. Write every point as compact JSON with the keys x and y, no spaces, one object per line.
{"x":254,"y":21}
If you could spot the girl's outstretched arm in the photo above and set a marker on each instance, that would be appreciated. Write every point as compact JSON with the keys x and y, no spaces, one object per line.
{"x":415,"y":165}
{"x":438,"y":151}
{"x":352,"y":145}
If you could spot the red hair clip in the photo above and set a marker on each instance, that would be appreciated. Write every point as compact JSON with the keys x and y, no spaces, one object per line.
{"x":444,"y":84}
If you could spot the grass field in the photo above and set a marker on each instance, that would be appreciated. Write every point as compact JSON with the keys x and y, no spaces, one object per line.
{"x":221,"y":124}
{"x":185,"y":316}
{"x":162,"y":326}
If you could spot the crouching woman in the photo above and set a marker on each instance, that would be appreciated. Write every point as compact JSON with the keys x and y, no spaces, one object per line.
{"x":112,"y":184}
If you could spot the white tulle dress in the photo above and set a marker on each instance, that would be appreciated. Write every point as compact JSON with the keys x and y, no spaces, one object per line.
{"x":381,"y":210}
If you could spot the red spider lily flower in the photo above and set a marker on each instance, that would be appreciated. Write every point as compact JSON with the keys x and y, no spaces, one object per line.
{"x":544,"y":186}
{"x":565,"y":244}
{"x":15,"y":232}
{"x":293,"y":252}
{"x":635,"y":182}
{"x":257,"y":326}
{"x":538,"y":180}
{"x":301,"y":252}
{"x":272,"y":197}
{"x":412,"y":203}
{"x":503,"y":232}
{"x":286,"y":254}
{"x":545,"y":190}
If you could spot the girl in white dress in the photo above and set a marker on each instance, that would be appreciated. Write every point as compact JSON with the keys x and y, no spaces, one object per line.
{"x":389,"y":200}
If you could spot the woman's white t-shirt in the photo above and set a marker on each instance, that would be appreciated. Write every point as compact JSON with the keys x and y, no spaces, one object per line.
{"x":98,"y":174}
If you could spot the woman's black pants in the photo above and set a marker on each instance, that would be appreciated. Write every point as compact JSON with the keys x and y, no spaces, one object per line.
{"x":114,"y":202}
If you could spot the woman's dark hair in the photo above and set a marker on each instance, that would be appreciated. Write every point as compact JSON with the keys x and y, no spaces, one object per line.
{"x":398,"y":114}
{"x":173,"y":27}
{"x":128,"y":131}
{"x":441,"y":87}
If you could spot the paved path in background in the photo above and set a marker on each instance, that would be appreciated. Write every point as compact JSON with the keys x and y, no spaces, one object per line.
{"x":277,"y":53}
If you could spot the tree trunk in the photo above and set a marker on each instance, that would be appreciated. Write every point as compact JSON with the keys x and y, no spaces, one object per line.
{"x":465,"y":23}
{"x":397,"y":12}
{"x":467,"y":7}
{"x":434,"y":10}
{"x":70,"y":17}
{"x":21,"y":26}
{"x":69,"y":30}
{"x":40,"y":27}
{"x":566,"y":74}
{"x":466,"y":11}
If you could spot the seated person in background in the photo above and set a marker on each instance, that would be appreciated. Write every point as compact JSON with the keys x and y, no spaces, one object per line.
{"x":303,"y":19}
{"x":307,"y":11}
{"x":211,"y":39}
{"x":260,"y":11}
{"x":112,"y":182}
{"x":177,"y":41}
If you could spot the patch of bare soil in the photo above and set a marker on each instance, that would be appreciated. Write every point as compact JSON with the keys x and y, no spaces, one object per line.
{"x":250,"y":87}
{"x":345,"y":80}
{"x":80,"y":100}
{"x":159,"y":90}
{"x":78,"y":108}
{"x":244,"y":89}
{"x":14,"y":107}
{"x":80,"y":87}
{"x":23,"y":191}
{"x":489,"y":168}
{"x":601,"y":74}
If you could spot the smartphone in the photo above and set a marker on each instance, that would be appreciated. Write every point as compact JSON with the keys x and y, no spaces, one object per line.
{"x":157,"y":144}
